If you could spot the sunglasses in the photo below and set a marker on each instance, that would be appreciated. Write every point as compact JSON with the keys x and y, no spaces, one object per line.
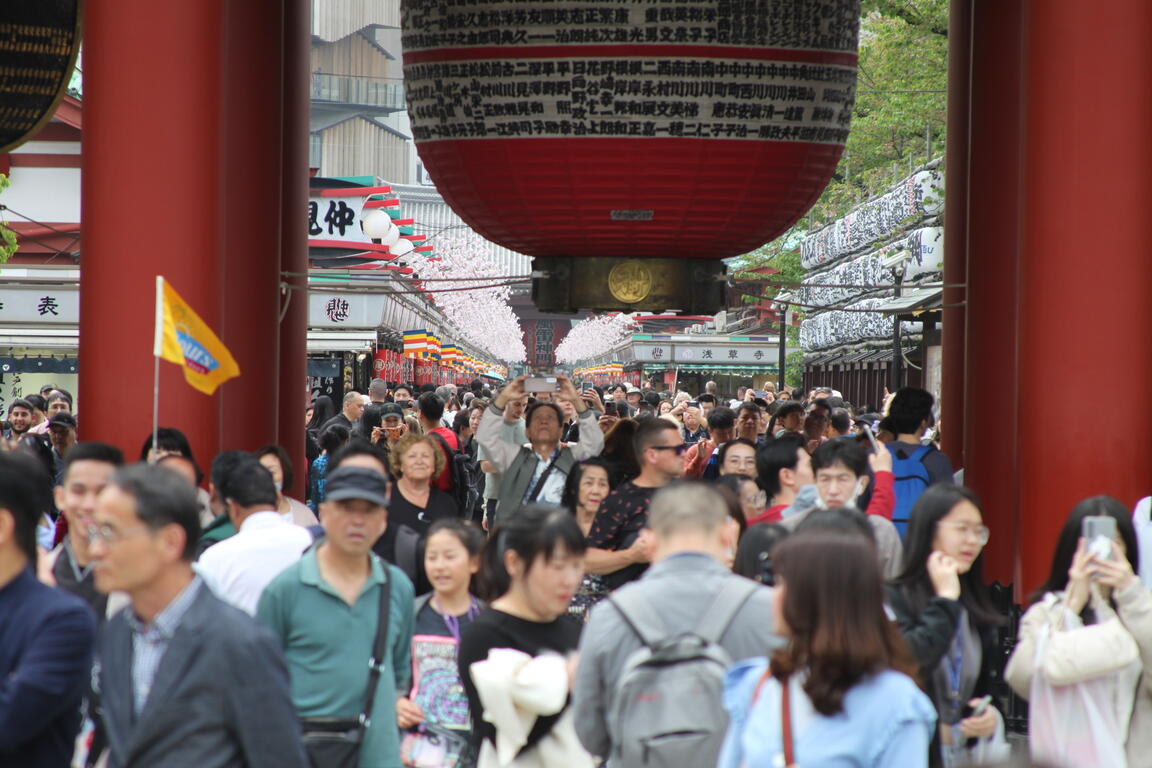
{"x":680,"y":449}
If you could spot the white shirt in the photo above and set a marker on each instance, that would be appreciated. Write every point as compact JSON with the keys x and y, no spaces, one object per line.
{"x":239,"y":568}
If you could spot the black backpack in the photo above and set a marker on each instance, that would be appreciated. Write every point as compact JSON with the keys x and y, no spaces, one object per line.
{"x":465,"y":475}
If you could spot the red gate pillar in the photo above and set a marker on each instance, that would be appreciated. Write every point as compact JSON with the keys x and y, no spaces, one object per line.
{"x":292,"y":371}
{"x":993,"y":227}
{"x":150,"y":189}
{"x":1085,"y":271}
{"x":955,"y":232}
{"x":250,"y":215}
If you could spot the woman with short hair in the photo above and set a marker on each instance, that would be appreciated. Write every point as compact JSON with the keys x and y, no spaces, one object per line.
{"x":416,"y":460}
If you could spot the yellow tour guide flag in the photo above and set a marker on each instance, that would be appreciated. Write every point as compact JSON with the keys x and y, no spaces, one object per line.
{"x":183,"y":338}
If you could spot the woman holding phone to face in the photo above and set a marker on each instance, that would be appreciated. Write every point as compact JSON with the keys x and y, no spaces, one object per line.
{"x":1096,"y":620}
{"x":946,"y":616}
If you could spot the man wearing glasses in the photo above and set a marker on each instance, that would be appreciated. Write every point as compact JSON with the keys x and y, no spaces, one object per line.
{"x":185,"y":679}
{"x":660,"y":449}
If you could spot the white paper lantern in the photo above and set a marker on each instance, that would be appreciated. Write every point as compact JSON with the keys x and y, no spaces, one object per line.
{"x":402,"y":247}
{"x":376,"y":223}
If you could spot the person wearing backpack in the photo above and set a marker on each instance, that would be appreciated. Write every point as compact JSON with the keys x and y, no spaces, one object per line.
{"x":915,"y":466}
{"x":429,"y":411}
{"x":648,"y":689}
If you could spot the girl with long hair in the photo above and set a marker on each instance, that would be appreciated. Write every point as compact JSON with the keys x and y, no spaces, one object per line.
{"x":947,"y":618}
{"x":1094,"y":618}
{"x":435,"y":711}
{"x":513,"y":657}
{"x":841,"y":692}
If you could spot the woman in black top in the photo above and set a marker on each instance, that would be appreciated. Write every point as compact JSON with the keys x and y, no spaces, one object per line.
{"x":946,"y":616}
{"x":532,"y":565}
{"x":415,"y":505}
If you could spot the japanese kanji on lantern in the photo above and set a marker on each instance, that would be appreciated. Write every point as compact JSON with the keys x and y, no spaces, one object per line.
{"x":629,"y":145}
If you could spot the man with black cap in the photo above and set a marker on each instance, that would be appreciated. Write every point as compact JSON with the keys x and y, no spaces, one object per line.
{"x":325,"y":609}
{"x":62,"y":433}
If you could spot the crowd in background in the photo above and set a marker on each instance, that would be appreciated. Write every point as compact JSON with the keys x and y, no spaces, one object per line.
{"x":547,"y":574}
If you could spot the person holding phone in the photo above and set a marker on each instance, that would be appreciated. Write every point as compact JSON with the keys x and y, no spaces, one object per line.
{"x":537,"y":472}
{"x":1094,"y":618}
{"x":946,"y":616}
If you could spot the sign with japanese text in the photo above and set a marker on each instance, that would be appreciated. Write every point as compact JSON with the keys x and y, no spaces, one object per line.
{"x":345,"y":310}
{"x":336,"y":218}
{"x":48,"y":304}
{"x":724,"y":354}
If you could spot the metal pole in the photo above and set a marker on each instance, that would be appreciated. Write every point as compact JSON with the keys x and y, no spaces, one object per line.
{"x":897,"y":351}
{"x":783,"y":345}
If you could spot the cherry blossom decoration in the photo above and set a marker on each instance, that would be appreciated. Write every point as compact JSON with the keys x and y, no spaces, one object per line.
{"x":481,"y":313}
{"x":594,"y":337}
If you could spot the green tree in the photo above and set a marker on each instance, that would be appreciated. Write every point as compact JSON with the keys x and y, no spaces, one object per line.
{"x":8,"y":244}
{"x":898,"y":122}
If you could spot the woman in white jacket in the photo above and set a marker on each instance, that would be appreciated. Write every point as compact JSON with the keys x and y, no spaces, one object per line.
{"x":1094,"y":619}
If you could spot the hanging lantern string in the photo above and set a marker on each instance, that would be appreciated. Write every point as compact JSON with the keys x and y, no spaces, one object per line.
{"x":834,"y":307}
{"x":790,"y":284}
{"x":366,"y":288}
{"x":382,"y":278}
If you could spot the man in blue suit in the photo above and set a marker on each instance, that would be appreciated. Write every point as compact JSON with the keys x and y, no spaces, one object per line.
{"x":46,"y":635}
{"x":186,"y":679}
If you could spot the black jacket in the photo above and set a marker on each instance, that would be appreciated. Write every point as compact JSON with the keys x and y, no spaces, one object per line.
{"x":929,"y":635}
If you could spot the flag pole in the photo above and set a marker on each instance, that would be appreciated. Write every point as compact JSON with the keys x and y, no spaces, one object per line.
{"x":157,"y":348}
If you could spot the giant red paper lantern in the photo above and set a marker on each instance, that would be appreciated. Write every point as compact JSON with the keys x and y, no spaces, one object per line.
{"x":657,"y":128}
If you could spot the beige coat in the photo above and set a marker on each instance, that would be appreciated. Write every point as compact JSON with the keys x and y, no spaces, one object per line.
{"x":1069,"y":660}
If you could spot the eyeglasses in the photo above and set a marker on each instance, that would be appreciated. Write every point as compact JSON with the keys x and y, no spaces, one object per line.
{"x":758,"y":499}
{"x":979,"y":532}
{"x":680,"y":449}
{"x":109,"y":535}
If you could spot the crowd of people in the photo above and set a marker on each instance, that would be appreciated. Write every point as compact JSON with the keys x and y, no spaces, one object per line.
{"x":545,"y":579}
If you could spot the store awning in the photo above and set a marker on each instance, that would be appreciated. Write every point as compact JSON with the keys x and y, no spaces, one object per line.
{"x":912,"y":301}
{"x":340,"y":341}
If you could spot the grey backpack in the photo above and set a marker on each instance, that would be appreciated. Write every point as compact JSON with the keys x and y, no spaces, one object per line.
{"x":668,"y":711}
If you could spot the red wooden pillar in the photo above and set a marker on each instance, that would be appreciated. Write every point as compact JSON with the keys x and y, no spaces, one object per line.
{"x":993,"y":236}
{"x":1085,"y":272}
{"x":955,"y":232}
{"x":291,"y":373}
{"x":150,"y":194}
{"x":184,"y":158}
{"x":250,"y":217}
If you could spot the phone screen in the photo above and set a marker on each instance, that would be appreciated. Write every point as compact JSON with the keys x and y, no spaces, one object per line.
{"x":1099,"y":533}
{"x":872,"y":438}
{"x":541,"y":384}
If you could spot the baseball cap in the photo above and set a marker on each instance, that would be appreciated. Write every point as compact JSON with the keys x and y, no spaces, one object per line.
{"x":391,"y":409}
{"x":356,"y":483}
{"x":633,"y":389}
{"x":61,"y":419}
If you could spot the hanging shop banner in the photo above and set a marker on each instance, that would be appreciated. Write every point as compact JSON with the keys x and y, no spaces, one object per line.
{"x":724,"y":354}
{"x":39,"y":40}
{"x":40,"y":304}
{"x":344,"y":310}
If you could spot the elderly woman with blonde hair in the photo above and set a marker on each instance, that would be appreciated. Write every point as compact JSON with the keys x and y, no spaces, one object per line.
{"x":416,"y":460}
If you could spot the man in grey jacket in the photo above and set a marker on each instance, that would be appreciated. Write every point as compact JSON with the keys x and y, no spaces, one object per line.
{"x":186,"y":680}
{"x":537,"y":471}
{"x":691,"y":536}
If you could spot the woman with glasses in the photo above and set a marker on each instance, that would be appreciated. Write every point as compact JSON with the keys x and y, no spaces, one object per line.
{"x":752,"y":500}
{"x":1094,"y":618}
{"x":947,"y":618}
{"x":737,"y":457}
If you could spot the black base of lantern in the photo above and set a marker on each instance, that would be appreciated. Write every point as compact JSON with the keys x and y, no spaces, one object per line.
{"x":568,"y":285}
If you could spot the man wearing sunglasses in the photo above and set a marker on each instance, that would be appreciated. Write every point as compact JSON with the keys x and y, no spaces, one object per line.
{"x":623,"y":516}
